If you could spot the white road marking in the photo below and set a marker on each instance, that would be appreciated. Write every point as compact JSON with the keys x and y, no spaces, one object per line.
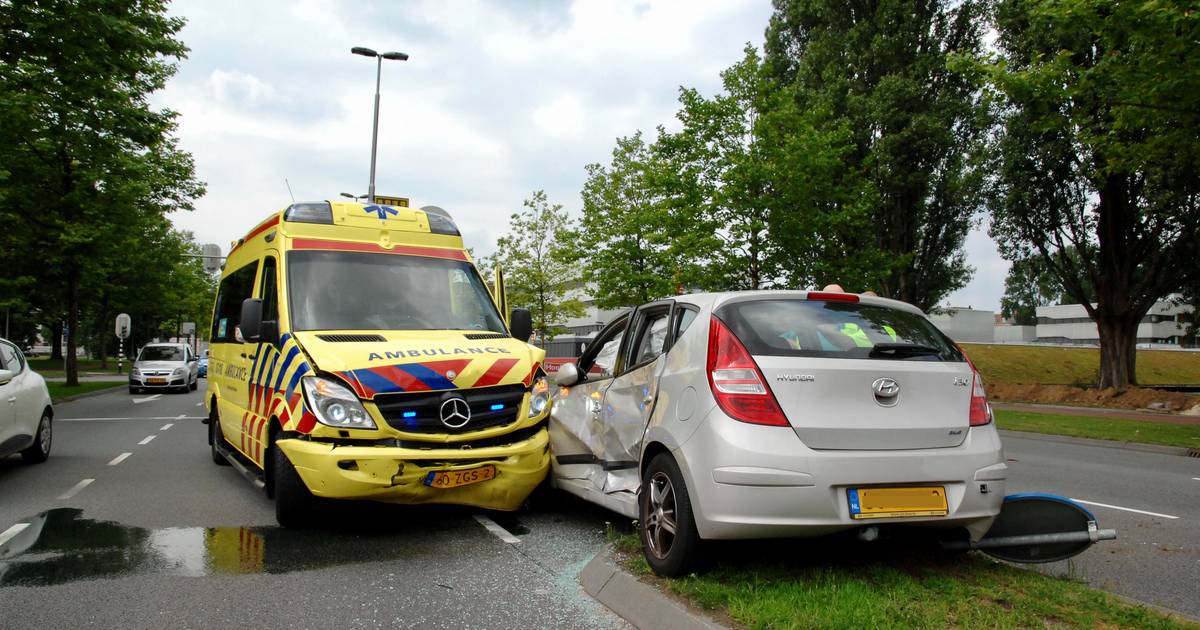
{"x":200,"y":404}
{"x":166,"y":426}
{"x":12,"y":532}
{"x":146,"y":440}
{"x":1195,"y":478}
{"x":1117,"y":507}
{"x":498,"y":531}
{"x":119,"y":458}
{"x":138,"y":401}
{"x":130,"y":418}
{"x":75,"y":489}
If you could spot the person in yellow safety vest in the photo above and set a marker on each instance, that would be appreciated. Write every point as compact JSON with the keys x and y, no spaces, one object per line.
{"x":859,"y":336}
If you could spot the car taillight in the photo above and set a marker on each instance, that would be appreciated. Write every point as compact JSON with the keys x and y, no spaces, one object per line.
{"x":981,"y":411}
{"x":737,"y":384}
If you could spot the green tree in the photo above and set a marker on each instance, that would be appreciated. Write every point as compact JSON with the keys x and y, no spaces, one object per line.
{"x":623,"y":232}
{"x":537,"y":255}
{"x":1099,"y":153}
{"x":878,"y":71}
{"x":84,"y":152}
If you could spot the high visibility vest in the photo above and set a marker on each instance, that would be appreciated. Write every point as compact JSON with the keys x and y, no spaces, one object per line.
{"x":856,"y":334}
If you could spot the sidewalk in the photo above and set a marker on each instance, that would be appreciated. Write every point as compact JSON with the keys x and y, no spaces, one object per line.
{"x":91,"y":377}
{"x":1120,"y":414}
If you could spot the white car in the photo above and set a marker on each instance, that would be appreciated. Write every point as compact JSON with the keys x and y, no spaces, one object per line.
{"x":169,"y":366}
{"x":776,"y":413}
{"x":25,"y":412}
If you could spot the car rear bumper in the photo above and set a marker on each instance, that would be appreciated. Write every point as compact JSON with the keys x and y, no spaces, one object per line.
{"x":750,"y":481}
{"x":397,"y":475}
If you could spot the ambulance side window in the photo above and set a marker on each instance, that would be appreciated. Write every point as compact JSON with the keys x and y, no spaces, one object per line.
{"x":269,"y":291}
{"x":235,"y":288}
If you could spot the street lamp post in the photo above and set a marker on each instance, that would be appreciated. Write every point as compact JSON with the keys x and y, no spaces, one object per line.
{"x":390,"y":56}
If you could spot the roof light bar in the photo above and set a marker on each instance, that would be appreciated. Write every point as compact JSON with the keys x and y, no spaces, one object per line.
{"x":314,"y":212}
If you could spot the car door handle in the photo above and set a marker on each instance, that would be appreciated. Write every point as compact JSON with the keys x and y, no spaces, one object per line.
{"x":13,"y":399}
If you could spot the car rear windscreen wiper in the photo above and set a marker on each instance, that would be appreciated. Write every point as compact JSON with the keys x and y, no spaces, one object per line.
{"x":902,"y":351}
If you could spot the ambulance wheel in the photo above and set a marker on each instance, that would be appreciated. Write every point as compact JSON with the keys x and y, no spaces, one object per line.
{"x":293,"y":501}
{"x":215,"y":437}
{"x":666,"y":524}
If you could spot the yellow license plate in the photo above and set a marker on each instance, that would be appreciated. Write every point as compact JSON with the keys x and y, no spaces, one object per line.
{"x":896,"y":502}
{"x":156,"y":380}
{"x":456,"y":478}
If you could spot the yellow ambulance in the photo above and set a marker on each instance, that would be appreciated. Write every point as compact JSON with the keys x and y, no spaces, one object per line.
{"x":357,"y":353}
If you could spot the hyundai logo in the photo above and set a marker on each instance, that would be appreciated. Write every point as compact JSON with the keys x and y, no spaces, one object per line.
{"x":886,"y":390}
{"x":455,"y":412}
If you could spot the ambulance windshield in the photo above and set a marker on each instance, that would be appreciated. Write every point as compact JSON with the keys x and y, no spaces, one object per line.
{"x":329,"y":290}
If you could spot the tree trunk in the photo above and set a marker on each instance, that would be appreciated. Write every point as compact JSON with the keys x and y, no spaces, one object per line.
{"x":72,"y":327}
{"x":1118,"y":352}
{"x":56,"y":341}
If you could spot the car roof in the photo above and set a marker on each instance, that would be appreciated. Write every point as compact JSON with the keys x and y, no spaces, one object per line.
{"x":714,"y":300}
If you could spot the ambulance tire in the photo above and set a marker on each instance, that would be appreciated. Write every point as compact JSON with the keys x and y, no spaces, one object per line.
{"x":215,"y":437}
{"x":293,"y":502}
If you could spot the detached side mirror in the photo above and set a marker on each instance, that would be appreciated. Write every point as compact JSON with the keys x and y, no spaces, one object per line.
{"x":251,"y":323}
{"x":567,"y":375}
{"x":521,"y":324}
{"x":6,"y":376}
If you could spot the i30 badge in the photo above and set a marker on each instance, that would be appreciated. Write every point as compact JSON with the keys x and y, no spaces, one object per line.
{"x":455,"y":413}
{"x":886,"y":391}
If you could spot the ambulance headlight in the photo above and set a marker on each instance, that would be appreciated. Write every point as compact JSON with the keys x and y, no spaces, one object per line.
{"x":539,"y":395}
{"x":334,"y":405}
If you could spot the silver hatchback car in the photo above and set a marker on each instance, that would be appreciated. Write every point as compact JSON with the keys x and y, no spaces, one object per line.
{"x":170,"y":366}
{"x":775,"y":413}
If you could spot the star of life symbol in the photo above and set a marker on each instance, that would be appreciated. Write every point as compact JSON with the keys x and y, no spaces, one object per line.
{"x":455,"y":412}
{"x":381,"y":211}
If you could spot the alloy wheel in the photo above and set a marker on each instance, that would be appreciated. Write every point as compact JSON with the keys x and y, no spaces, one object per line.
{"x":659,"y":522}
{"x":44,"y":433}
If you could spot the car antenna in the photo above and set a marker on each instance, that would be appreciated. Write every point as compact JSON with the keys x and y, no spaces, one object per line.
{"x":289,"y":187}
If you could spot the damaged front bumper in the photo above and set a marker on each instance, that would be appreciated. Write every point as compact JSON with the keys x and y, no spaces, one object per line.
{"x":396,"y":474}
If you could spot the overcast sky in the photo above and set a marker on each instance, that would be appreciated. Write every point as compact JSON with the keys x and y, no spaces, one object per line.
{"x":497,"y":100}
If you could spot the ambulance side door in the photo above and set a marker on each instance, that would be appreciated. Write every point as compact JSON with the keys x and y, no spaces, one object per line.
{"x":261,"y":360}
{"x":229,"y":354}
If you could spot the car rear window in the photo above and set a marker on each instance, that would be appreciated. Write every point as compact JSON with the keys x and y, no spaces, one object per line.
{"x":841,"y":330}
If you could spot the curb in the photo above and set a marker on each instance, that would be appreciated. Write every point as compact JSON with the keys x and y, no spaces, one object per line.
{"x":642,"y":605}
{"x":1082,"y":441}
{"x":94,"y":392}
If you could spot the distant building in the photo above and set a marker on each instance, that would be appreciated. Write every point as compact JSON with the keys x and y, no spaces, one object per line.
{"x":965,"y":324}
{"x":1165,"y":324}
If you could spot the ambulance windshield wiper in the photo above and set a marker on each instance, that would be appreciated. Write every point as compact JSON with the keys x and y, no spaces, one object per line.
{"x":902,"y":351}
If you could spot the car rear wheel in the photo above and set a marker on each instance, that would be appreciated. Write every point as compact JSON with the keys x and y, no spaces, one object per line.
{"x":216,"y":437}
{"x":195,"y":384}
{"x":293,"y":502}
{"x":666,"y":526}
{"x":40,"y":449}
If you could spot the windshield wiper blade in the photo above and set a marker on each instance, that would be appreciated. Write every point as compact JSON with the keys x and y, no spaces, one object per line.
{"x":897,"y":350}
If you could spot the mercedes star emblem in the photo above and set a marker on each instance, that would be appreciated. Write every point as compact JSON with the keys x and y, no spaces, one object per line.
{"x":455,"y":412}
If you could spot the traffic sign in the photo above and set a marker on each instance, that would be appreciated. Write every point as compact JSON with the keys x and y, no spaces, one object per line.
{"x":188,"y":328}
{"x":123,"y":325}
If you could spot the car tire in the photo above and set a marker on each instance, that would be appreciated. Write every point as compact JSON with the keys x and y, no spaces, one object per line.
{"x":664,"y":504}
{"x":133,"y":390}
{"x":195,"y":384}
{"x":293,"y":502}
{"x":215,"y":437}
{"x":39,"y":451}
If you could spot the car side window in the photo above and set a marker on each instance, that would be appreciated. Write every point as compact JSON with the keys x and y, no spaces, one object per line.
{"x":600,"y":359}
{"x":269,"y":291}
{"x":235,"y":288}
{"x":684,"y":316}
{"x":11,"y":358}
{"x":652,"y":337}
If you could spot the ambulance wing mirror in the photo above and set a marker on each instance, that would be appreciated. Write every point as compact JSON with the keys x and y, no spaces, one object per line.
{"x":521,"y":324}
{"x":251,"y":323}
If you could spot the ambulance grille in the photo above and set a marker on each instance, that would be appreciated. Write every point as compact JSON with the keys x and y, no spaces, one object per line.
{"x":489,"y":335}
{"x":350,"y":338}
{"x":420,"y":412}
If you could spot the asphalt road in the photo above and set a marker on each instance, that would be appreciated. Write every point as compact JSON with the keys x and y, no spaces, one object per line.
{"x":1152,"y":500}
{"x":162,"y":538}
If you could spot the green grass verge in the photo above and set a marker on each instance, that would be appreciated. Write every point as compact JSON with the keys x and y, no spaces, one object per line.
{"x":47,"y":367}
{"x":1185,"y":435}
{"x":1076,"y":366}
{"x":893,"y":589}
{"x":59,"y":391}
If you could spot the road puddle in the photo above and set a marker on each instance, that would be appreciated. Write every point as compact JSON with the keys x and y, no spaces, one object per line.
{"x":60,"y":546}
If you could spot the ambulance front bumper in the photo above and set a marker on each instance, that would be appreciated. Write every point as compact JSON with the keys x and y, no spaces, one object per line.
{"x":398,"y":475}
